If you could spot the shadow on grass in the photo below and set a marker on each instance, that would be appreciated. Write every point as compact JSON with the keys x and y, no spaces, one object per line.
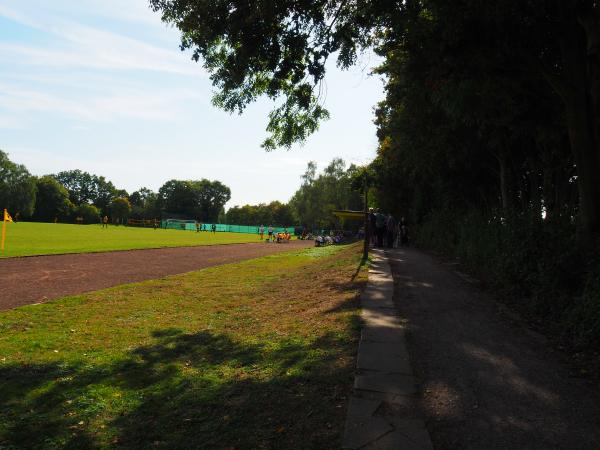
{"x":200,"y":390}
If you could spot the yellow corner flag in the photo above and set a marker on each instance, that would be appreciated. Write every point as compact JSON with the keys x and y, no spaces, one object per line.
{"x":6,"y":218}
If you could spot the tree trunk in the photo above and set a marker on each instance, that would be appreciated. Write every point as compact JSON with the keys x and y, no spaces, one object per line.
{"x":504,"y":182}
{"x":582,"y":121}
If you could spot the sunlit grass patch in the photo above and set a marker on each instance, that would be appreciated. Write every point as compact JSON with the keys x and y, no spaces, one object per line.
{"x":29,"y":238}
{"x":255,"y":354}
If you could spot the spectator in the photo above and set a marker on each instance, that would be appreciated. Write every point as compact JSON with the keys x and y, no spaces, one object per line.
{"x":380,"y":220}
{"x":391,"y":231}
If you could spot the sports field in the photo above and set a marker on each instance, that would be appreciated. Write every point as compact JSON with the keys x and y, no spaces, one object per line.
{"x":30,"y":238}
{"x":256,"y":354}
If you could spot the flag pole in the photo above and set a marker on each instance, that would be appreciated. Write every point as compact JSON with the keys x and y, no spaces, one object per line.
{"x":3,"y":229}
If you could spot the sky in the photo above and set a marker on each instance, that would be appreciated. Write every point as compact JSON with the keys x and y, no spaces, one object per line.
{"x":102,"y":86}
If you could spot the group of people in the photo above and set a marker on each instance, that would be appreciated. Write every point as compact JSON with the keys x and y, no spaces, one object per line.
{"x":385,"y":231}
{"x":279,"y":237}
{"x":335,"y":237}
{"x":204,"y":227}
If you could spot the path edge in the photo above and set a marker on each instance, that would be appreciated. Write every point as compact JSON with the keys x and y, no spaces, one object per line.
{"x":381,"y":412}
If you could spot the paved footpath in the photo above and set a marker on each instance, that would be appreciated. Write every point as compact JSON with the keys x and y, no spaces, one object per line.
{"x":381,"y":413}
{"x":486,"y":380}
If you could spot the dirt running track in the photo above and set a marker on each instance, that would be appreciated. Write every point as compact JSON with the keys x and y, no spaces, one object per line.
{"x":488,"y":382}
{"x":41,"y":278}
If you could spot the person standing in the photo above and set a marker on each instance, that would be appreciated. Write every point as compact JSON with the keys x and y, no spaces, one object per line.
{"x":105,"y":222}
{"x":214,"y":227}
{"x":391,"y":231}
{"x":270,"y":231}
{"x":380,"y":227}
{"x":403,"y":228}
{"x":372,"y":229}
{"x":261,"y":231}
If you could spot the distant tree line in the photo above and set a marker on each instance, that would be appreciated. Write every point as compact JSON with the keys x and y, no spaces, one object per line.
{"x":74,"y":193}
{"x":274,"y":213}
{"x":312,"y":205}
{"x":70,"y":194}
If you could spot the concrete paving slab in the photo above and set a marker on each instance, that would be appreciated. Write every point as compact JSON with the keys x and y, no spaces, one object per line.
{"x":393,"y":364}
{"x":384,"y":350}
{"x":417,"y":440}
{"x":407,"y":431}
{"x":386,"y":383}
{"x":400,"y":402}
{"x":372,"y":333}
{"x":381,"y":318}
{"x":361,"y":431}
{"x":363,"y":407}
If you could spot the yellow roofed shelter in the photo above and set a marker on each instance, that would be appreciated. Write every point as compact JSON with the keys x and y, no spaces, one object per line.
{"x":347,"y":214}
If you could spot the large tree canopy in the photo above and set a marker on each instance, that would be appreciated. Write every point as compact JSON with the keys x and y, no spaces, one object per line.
{"x":475,"y":58}
{"x":85,"y":187}
{"x":274,"y":48}
{"x":201,"y":200}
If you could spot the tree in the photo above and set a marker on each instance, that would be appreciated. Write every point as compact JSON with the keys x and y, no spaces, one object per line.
{"x":313,"y":204}
{"x":89,"y":213}
{"x":120,"y":209}
{"x":211,"y":198}
{"x":144,"y":204}
{"x":201,"y":200}
{"x":52,"y":200}
{"x":17,"y":187}
{"x":179,"y":197}
{"x":84,"y":187}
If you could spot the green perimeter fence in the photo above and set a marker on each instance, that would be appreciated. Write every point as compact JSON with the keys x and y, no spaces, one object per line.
{"x":190,"y":225}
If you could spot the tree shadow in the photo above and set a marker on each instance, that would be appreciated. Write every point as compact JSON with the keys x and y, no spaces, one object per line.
{"x":199,"y":390}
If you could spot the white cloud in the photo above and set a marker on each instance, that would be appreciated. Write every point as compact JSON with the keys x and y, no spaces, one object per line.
{"x":88,"y":47}
{"x":120,"y":103}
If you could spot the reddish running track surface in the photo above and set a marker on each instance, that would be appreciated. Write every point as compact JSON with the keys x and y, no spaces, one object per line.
{"x":41,"y":278}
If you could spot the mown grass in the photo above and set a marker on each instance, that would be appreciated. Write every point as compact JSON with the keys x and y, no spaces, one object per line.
{"x":258,"y":354}
{"x":29,"y":238}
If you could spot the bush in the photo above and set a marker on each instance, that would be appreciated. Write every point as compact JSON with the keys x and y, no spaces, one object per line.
{"x":534,"y":265}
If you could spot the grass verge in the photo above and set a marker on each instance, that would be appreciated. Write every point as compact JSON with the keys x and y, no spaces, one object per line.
{"x":258,"y":354}
{"x":31,"y":238}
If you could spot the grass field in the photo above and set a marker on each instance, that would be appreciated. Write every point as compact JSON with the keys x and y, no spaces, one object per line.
{"x":258,"y":354}
{"x":30,"y":238}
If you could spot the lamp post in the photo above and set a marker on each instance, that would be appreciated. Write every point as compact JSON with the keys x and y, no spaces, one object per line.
{"x":367,"y":224}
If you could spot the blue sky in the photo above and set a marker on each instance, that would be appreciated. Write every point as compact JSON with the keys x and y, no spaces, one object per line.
{"x":101,"y":85}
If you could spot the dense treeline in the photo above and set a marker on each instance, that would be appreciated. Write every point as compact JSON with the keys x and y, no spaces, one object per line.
{"x":75,"y":193}
{"x":312,"y":205}
{"x":274,"y":213}
{"x":489,"y":133}
{"x":479,"y":146}
{"x":70,"y":194}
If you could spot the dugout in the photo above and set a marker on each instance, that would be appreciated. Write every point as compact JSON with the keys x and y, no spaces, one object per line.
{"x":350,"y":220}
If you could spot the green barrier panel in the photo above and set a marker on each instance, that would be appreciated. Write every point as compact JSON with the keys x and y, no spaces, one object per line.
{"x":190,"y":225}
